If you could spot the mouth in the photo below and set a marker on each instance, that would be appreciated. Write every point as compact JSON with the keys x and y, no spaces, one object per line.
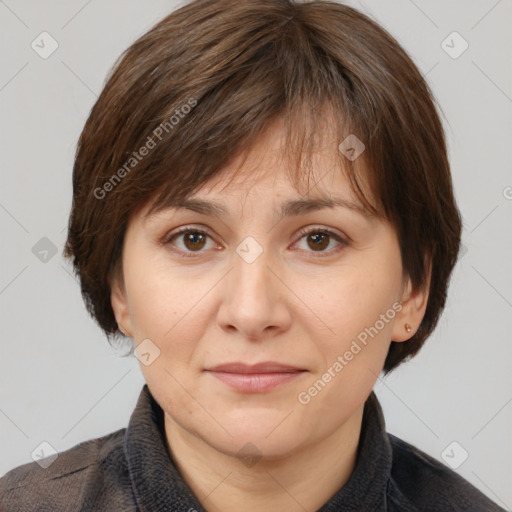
{"x":255,"y":378}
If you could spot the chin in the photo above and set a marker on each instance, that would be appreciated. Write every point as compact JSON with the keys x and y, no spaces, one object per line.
{"x":253,"y":448}
{"x":259,"y":434}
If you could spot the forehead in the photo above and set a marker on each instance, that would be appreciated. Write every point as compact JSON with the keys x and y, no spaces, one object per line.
{"x":270,"y":161}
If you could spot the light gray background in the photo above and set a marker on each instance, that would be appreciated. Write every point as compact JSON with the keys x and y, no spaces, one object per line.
{"x":60,"y":380}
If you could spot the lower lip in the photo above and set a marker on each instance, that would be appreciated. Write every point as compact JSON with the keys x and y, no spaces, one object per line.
{"x":255,"y":382}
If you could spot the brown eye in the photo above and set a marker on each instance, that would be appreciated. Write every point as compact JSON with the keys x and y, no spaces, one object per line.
{"x":188,"y":241}
{"x":318,"y":241}
{"x":194,"y":240}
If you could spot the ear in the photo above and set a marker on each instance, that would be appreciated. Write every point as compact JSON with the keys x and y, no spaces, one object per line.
{"x":414,"y":304}
{"x":119,"y":303}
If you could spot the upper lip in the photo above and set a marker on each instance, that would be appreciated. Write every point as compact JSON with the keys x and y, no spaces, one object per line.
{"x":264,"y":367}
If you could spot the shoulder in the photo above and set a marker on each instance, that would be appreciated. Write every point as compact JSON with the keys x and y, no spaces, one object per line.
{"x":420,"y":481}
{"x":80,"y":473}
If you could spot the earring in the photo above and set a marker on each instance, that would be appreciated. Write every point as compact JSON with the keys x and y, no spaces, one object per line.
{"x":408,"y":328}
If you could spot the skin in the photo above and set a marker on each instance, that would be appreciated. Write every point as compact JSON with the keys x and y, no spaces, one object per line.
{"x":295,"y":303}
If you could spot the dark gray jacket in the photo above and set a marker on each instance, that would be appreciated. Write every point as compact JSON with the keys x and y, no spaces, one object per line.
{"x":131,"y":470}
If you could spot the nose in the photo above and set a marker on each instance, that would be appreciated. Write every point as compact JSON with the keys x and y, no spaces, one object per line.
{"x":254,"y":300}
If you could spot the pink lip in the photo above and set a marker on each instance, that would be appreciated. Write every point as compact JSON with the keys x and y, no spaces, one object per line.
{"x":255,"y":378}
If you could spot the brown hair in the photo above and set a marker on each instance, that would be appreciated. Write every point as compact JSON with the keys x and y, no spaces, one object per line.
{"x":206,"y":81}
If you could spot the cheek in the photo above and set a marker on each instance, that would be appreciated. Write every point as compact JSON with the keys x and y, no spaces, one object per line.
{"x":357,"y":299}
{"x":351,"y":358}
{"x":163,"y":302}
{"x":359,"y":312}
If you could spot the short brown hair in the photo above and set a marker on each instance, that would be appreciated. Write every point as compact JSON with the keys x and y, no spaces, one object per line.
{"x":203,"y":84}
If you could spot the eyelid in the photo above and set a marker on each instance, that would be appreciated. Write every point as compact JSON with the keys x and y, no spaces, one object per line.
{"x":322,"y":229}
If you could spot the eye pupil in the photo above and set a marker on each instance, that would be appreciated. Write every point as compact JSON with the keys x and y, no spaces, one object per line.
{"x":320,"y":240}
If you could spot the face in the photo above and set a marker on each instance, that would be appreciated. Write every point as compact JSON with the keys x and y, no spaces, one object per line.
{"x":300,"y":308}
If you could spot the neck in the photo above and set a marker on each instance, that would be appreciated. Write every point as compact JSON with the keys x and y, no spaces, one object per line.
{"x":303,"y":480}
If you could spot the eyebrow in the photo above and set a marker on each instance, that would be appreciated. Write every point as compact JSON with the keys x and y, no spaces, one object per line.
{"x":291,"y":208}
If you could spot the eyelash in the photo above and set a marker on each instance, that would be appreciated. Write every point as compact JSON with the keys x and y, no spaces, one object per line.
{"x":303,"y":232}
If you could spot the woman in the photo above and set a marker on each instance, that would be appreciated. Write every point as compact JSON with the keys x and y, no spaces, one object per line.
{"x":262,"y":200}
